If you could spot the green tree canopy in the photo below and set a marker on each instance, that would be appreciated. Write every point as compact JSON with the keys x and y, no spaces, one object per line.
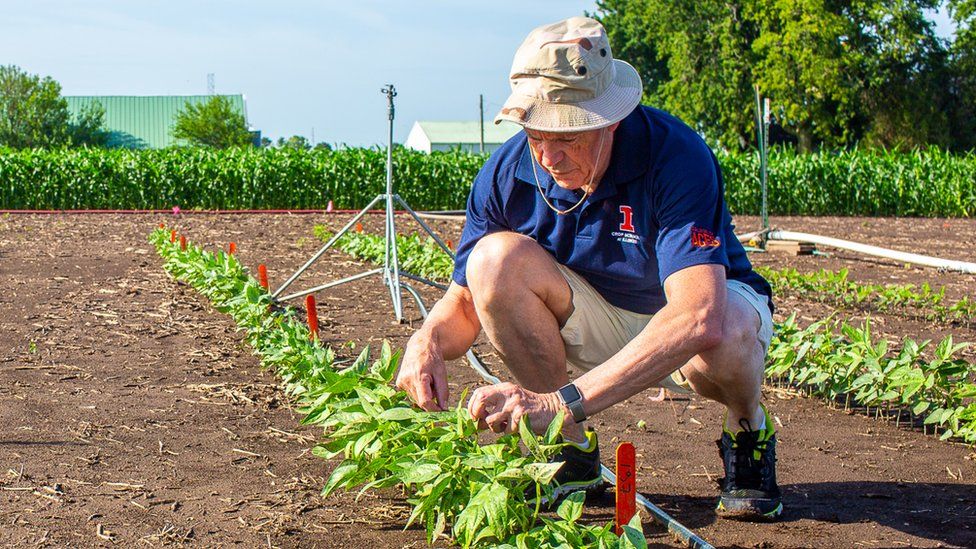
{"x":839,"y":72}
{"x":32,"y":111}
{"x":88,"y":128}
{"x":214,"y":123}
{"x":298,"y":142}
{"x":963,"y":72}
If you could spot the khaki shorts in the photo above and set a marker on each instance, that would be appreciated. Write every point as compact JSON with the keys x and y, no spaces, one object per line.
{"x":597,"y":330}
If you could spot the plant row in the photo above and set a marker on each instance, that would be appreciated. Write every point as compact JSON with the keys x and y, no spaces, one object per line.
{"x":418,"y":255}
{"x":839,"y":363}
{"x":909,"y":300}
{"x":870,"y":182}
{"x":228,"y":179}
{"x":482,"y":494}
{"x":843,"y":363}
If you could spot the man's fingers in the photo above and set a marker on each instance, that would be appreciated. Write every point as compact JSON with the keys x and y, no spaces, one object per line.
{"x":516,"y":417}
{"x":500,"y":422}
{"x":472,"y":400}
{"x":425,"y":393}
{"x":484,"y":402}
{"x":442,"y":391}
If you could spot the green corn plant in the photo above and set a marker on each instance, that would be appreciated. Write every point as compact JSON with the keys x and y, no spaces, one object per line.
{"x":929,"y":183}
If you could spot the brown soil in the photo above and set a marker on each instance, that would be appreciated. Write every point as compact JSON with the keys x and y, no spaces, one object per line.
{"x":132,"y":412}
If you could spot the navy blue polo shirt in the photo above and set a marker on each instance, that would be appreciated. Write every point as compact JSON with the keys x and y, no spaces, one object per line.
{"x":658,"y":209}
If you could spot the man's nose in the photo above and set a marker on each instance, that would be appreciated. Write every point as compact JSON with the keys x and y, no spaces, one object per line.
{"x":551,"y":156}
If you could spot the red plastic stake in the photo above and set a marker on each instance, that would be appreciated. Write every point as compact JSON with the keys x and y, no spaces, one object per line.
{"x":232,"y":248}
{"x":359,"y":227}
{"x":172,"y":236}
{"x":162,"y":225}
{"x":263,"y":276}
{"x":450,"y":245}
{"x":183,"y":243}
{"x":626,"y":484}
{"x":313,"y":317}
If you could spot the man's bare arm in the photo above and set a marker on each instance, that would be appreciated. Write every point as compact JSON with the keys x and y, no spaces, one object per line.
{"x":689,"y":324}
{"x":448,"y":332}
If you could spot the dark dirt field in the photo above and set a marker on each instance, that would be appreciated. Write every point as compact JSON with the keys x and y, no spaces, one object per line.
{"x":133,"y":415}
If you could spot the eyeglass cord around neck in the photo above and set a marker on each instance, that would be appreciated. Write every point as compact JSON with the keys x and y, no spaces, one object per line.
{"x":585,"y":193}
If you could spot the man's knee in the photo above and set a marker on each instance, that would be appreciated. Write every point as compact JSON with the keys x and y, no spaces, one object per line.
{"x":505,"y":268}
{"x":497,"y":262}
{"x":496,"y":250}
{"x":740,"y":352}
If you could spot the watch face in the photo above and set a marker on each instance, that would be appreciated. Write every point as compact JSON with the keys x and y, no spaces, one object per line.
{"x":570,"y":393}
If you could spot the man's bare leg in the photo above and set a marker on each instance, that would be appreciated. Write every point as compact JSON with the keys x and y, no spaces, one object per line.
{"x":732,"y":373}
{"x":522,"y":300}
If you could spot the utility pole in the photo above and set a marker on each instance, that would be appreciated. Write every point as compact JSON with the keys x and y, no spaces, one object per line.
{"x":481,"y":108}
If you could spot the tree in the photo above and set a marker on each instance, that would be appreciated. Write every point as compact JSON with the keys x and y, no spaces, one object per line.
{"x":87,"y":129}
{"x":695,"y":60}
{"x":298,"y":142}
{"x":213,"y":123}
{"x":32,"y":111}
{"x":962,"y":69}
{"x":838,"y":71}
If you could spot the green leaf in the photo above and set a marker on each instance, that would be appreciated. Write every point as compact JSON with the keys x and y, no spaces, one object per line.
{"x":345,"y":471}
{"x":480,"y":462}
{"x":633,"y":535}
{"x":542,"y":473}
{"x":420,"y":473}
{"x":571,"y":509}
{"x":528,"y":437}
{"x":398,"y":414}
{"x":496,"y":509}
{"x":921,"y":407}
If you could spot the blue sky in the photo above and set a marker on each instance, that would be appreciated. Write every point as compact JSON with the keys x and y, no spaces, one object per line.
{"x":302,"y":64}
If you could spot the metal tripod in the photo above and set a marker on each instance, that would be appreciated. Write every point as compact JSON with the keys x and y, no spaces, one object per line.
{"x":391,"y":264}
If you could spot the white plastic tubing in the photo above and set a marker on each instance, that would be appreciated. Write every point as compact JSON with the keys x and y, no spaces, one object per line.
{"x":929,"y":261}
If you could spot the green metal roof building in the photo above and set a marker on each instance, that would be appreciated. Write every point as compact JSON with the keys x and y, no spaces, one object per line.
{"x":442,"y":136}
{"x":141,"y":122}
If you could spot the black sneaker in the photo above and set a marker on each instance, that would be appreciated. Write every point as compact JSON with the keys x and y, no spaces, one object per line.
{"x":749,"y":490}
{"x":580,"y":471}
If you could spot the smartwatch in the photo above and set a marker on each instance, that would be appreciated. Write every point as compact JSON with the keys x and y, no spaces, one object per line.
{"x":573,"y":399}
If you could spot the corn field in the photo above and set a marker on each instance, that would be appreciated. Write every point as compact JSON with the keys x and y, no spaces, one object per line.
{"x":872,"y":183}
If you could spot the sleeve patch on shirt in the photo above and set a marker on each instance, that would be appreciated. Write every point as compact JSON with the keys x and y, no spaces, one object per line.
{"x":703,"y":238}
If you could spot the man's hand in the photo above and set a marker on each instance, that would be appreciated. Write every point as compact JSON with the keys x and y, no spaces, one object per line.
{"x":423,"y":376}
{"x":449,"y":330}
{"x":501,"y":407}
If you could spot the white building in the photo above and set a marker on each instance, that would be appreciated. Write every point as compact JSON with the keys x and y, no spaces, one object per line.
{"x":445,"y":136}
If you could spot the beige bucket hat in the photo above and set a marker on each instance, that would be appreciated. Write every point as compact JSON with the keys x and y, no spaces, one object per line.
{"x":565,"y":79}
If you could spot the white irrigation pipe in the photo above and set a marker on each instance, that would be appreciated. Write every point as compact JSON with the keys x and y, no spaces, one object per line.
{"x":749,"y":236}
{"x":929,"y":261}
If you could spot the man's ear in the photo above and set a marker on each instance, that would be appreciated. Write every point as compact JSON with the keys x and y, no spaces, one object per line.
{"x":613,"y":127}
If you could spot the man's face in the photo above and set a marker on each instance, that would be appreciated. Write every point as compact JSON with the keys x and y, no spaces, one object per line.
{"x":571,"y":158}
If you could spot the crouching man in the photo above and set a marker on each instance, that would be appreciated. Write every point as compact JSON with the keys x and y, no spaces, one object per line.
{"x":599,"y":238}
